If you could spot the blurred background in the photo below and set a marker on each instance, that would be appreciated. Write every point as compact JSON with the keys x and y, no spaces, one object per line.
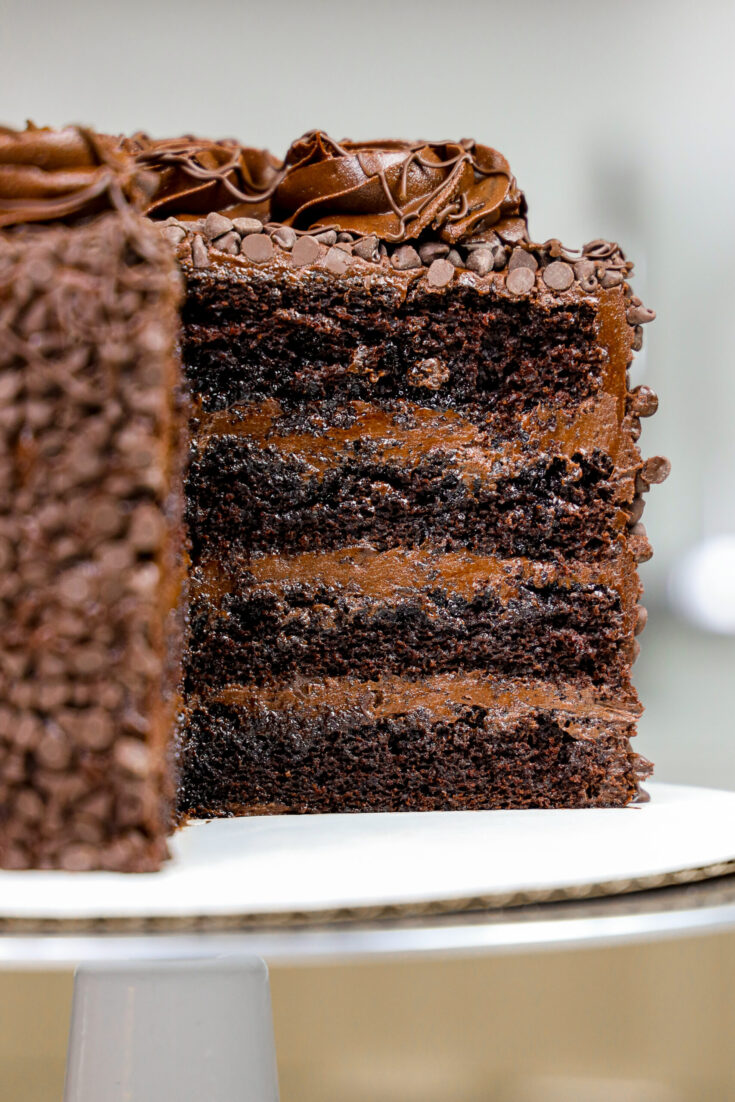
{"x":617,"y":120}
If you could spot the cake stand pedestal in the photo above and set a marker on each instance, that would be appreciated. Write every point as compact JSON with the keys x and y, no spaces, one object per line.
{"x":343,"y":888}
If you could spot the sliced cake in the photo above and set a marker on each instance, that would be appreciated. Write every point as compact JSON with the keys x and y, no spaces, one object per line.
{"x":414,"y":487}
{"x":409,"y":518}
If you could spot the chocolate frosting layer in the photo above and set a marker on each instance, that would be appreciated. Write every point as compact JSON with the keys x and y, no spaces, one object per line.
{"x":197,"y":176}
{"x":395,"y":189}
{"x":63,"y":175}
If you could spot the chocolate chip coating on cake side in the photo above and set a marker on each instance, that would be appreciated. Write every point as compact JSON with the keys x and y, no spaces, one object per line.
{"x":91,"y":543}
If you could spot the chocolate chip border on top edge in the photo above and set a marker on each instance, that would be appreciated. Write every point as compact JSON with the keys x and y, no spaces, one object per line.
{"x":517,"y":267}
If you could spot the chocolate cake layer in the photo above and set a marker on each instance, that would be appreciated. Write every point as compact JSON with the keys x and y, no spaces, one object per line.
{"x":444,"y":743}
{"x":382,"y":337}
{"x":243,"y":496}
{"x":416,"y":613}
{"x":92,"y":431}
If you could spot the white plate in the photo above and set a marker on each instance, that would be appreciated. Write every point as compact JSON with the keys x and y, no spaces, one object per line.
{"x":282,"y":864}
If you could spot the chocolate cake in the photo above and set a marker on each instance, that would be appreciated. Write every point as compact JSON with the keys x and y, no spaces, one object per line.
{"x":412,"y":495}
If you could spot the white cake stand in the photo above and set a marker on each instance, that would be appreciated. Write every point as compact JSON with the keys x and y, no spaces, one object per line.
{"x":297,"y":889}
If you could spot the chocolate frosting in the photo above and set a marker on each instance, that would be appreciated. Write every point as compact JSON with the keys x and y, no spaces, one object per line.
{"x":395,"y":189}
{"x":64,"y":175}
{"x":196,"y":176}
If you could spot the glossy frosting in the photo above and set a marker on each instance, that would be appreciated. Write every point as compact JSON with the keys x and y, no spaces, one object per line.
{"x":393,"y":189}
{"x":196,"y":176}
{"x":64,"y":175}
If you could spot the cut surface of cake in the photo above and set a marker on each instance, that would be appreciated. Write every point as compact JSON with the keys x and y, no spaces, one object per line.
{"x":413,"y":492}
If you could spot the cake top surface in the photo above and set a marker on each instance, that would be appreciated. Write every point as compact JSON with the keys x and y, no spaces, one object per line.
{"x":411,"y":208}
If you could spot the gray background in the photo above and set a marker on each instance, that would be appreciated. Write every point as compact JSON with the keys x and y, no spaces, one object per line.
{"x":618,"y":122}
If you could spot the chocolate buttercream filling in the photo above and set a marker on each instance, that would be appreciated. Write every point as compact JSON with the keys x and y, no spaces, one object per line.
{"x":393,"y":573}
{"x":442,"y":695}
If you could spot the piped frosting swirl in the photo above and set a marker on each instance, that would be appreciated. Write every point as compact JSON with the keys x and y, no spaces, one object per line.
{"x":64,"y":175}
{"x":197,"y":176}
{"x":395,"y":189}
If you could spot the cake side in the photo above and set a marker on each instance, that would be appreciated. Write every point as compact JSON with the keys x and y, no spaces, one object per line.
{"x":91,"y":522}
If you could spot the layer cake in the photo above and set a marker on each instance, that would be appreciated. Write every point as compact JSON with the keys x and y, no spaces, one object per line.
{"x":413,"y":492}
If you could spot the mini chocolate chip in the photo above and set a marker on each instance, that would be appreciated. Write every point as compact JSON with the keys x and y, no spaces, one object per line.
{"x":228,"y":243}
{"x":216,"y":224}
{"x":79,"y":857}
{"x":501,"y":255}
{"x":305,"y":251}
{"x":641,"y":619}
{"x":586,"y":274}
{"x":16,"y":856}
{"x":558,"y":276}
{"x":132,"y":755}
{"x":639,"y":544}
{"x":367,"y":248}
{"x":29,"y":805}
{"x":326,"y":237}
{"x":257,"y":247}
{"x":637,"y":343}
{"x":641,"y":486}
{"x":199,"y":254}
{"x":405,"y":258}
{"x":481,"y":261}
{"x":636,"y":510}
{"x":441,"y":272}
{"x":7,"y":554}
{"x":345,"y":247}
{"x":173,"y":234}
{"x":643,"y":401}
{"x":244,"y":226}
{"x":348,"y":238}
{"x":285,"y":237}
{"x":455,"y":258}
{"x":93,"y":728}
{"x":520,"y":281}
{"x":656,"y":469}
{"x":487,"y":241}
{"x":146,"y":528}
{"x":433,"y":250}
{"x":583,"y":269}
{"x":54,"y":751}
{"x":519,"y":258}
{"x":336,"y":261}
{"x":513,"y":231}
{"x":640,"y":315}
{"x":610,"y":278}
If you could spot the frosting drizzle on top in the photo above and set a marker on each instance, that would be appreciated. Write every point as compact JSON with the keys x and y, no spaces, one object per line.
{"x":395,"y":189}
{"x":197,"y":176}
